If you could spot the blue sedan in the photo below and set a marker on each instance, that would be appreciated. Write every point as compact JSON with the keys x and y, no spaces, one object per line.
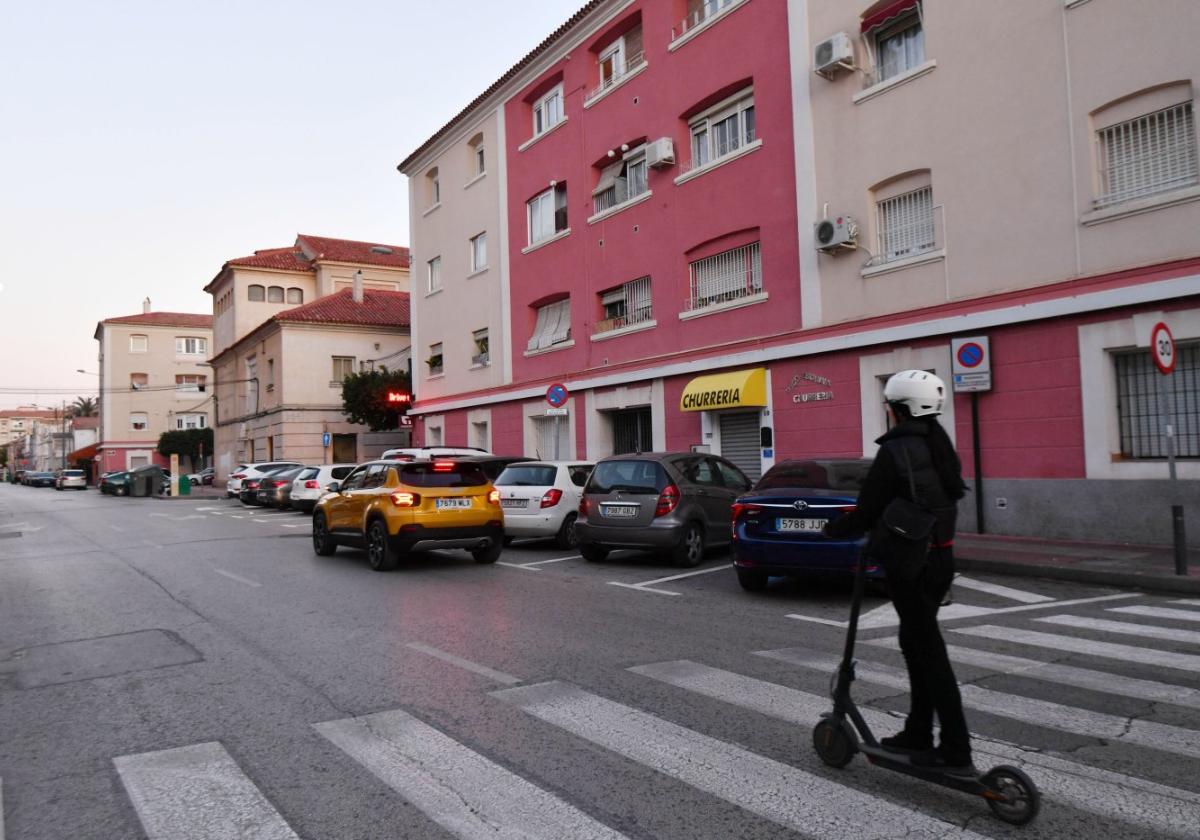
{"x":777,"y":524}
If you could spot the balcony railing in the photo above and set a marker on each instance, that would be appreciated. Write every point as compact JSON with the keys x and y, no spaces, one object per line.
{"x":1150,"y":154}
{"x":707,"y":9}
{"x":632,"y":63}
{"x":725,"y":277}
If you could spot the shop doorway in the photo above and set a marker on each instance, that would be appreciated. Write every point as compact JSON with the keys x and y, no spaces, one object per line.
{"x":345,"y":449}
{"x":740,"y":442}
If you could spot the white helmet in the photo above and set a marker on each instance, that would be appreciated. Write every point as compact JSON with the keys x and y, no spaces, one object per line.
{"x":919,"y":390}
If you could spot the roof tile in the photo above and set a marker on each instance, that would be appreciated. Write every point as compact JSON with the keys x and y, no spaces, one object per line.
{"x":165,"y":319}
{"x":378,"y":309}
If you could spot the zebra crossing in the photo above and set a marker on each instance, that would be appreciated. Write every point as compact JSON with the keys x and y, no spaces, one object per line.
{"x":200,"y":791}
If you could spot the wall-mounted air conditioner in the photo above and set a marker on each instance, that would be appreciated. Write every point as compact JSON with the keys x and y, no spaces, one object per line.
{"x":832,"y":55}
{"x":661,"y":153}
{"x":839,"y":233}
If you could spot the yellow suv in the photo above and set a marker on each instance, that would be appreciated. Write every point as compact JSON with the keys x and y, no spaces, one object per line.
{"x":390,"y":508}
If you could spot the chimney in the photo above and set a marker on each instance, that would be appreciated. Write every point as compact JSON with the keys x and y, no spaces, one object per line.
{"x":146,"y":306}
{"x":357,"y":291}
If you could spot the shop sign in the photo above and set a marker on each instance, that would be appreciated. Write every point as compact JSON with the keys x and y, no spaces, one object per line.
{"x":811,"y":396}
{"x":725,"y":390}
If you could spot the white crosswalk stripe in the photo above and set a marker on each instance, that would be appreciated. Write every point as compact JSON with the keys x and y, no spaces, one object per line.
{"x":198,"y":792}
{"x":1164,"y":810}
{"x":1190,"y":602}
{"x":1000,"y":591}
{"x":1073,"y":644}
{"x":465,"y":793}
{"x":1124,"y":628}
{"x":1159,"y":612}
{"x":827,"y":809}
{"x":1158,"y":736}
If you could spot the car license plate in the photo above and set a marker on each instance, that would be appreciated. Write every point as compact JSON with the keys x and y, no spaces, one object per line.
{"x":452,"y":504}
{"x":619,"y":511}
{"x":804,"y":525}
{"x":514,"y":503}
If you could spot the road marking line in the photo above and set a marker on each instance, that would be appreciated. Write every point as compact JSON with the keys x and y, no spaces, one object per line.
{"x":1191,"y":602}
{"x":1001,"y":591}
{"x":1,"y":809}
{"x":1124,"y":627}
{"x":517,"y":566}
{"x":885,"y":616}
{"x":1074,"y":644}
{"x":640,"y":588}
{"x":1072,"y":719}
{"x":285,"y":525}
{"x":198,"y":792}
{"x":646,"y":586}
{"x":470,"y":796}
{"x":465,"y":664}
{"x":554,"y":560}
{"x":235,"y":516}
{"x":1159,"y":612}
{"x":238,"y":578}
{"x":815,"y":805}
{"x":1101,"y":681}
{"x":1127,"y":800}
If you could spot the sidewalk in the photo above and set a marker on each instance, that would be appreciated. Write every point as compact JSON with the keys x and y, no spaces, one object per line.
{"x":1110,"y":564}
{"x":203,"y":491}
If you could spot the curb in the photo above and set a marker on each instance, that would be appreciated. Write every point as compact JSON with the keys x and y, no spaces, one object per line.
{"x":1155,"y":583}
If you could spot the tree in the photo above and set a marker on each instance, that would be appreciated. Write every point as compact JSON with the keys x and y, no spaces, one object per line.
{"x":185,"y":443}
{"x":365,"y":398}
{"x":84,"y":407}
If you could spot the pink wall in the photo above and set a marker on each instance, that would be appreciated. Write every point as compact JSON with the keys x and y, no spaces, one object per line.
{"x":508,"y":429}
{"x":827,"y":428}
{"x":756,"y":191}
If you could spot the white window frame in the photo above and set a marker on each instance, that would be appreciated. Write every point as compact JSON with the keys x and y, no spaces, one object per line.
{"x":136,"y":425}
{"x":910,"y":25}
{"x":343,"y":363}
{"x":479,"y":252}
{"x":190,"y":383}
{"x":434,"y":275}
{"x":435,"y":186}
{"x":481,"y":341}
{"x":299,"y":294}
{"x":190,"y":345}
{"x":608,"y":195}
{"x":191,"y":421}
{"x":553,"y":325}
{"x":537,"y":208}
{"x":616,"y":53}
{"x":545,"y":116}
{"x":133,"y":344}
{"x":701,"y":128}
{"x":436,"y":351}
{"x":903,"y":230}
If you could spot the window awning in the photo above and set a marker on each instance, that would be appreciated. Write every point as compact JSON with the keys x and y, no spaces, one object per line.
{"x":725,"y":390}
{"x":608,"y":176}
{"x":887,"y":14}
{"x":87,"y":453}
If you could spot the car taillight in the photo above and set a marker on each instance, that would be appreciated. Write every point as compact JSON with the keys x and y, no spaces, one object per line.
{"x":668,"y":500}
{"x":312,"y":484}
{"x":583,"y":506}
{"x":403,"y":498}
{"x":443,"y":466}
{"x":741,"y":507}
{"x":846,"y":508}
{"x":552,"y":497}
{"x":238,"y":475}
{"x":494,"y":497}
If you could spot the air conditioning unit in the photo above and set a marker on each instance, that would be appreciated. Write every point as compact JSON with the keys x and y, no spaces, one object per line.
{"x":836,"y":234}
{"x":833,"y":54}
{"x":661,"y":153}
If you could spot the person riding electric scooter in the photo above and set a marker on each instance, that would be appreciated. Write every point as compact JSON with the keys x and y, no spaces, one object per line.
{"x":908,"y":503}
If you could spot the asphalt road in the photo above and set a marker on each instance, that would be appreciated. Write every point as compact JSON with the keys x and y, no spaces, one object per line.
{"x":189,"y":668}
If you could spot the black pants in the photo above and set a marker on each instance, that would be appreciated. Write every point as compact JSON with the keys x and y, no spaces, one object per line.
{"x":933,"y":685}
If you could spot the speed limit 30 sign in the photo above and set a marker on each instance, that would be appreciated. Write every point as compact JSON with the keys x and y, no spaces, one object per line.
{"x":1162,"y":348}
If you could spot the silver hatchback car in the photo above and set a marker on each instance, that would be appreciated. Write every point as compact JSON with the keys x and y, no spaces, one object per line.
{"x":679,"y":502}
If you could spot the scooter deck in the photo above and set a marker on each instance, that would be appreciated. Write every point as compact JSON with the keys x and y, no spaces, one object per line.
{"x":902,"y":763}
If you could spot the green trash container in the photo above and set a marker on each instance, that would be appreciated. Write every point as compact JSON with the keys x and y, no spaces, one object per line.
{"x":185,"y":485}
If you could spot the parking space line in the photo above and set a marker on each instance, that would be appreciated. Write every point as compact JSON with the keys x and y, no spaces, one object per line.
{"x":647,"y":586}
{"x":1,"y":809}
{"x":465,"y":664}
{"x":554,"y":560}
{"x":285,"y":525}
{"x":518,"y":566}
{"x":238,"y":578}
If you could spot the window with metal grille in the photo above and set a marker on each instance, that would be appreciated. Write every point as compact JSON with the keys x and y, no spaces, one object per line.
{"x":729,"y":275}
{"x":553,"y":436}
{"x":626,"y":305}
{"x":1150,"y":154}
{"x":905,"y":225}
{"x":1140,"y":413}
{"x":631,"y":431}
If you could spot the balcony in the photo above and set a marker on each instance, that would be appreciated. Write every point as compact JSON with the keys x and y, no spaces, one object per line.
{"x":700,"y":19}
{"x":632,"y":65}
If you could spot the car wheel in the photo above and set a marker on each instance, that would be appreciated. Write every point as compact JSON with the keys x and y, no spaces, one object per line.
{"x":567,"y":538}
{"x":489,"y":553}
{"x":690,"y":551}
{"x":323,"y":543}
{"x":121,"y":491}
{"x":592,"y":553}
{"x":752,"y":580}
{"x":380,"y":555}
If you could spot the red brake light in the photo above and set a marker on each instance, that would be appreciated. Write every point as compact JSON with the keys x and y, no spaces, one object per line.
{"x":668,"y":500}
{"x":741,"y":507}
{"x":494,"y":497}
{"x":443,"y":466}
{"x":552,"y":497}
{"x":312,"y":484}
{"x":238,"y":475}
{"x":847,"y":508}
{"x":583,"y":505}
{"x":402,"y":498}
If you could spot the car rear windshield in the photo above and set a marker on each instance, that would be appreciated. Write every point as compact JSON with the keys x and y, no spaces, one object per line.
{"x":341,"y":472}
{"x":527,"y":475}
{"x":72,"y":473}
{"x":644,"y":477}
{"x":437,"y":475}
{"x":817,"y":475}
{"x":310,"y":472}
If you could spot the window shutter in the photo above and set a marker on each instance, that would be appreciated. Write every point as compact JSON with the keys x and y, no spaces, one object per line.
{"x":538,"y":329}
{"x":608,"y":177}
{"x":562,"y":328}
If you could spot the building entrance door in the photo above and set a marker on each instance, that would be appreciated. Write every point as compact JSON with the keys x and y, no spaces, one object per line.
{"x":345,"y":449}
{"x":632,"y":431}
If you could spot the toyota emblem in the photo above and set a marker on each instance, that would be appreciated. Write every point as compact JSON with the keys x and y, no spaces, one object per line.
{"x":799,"y":504}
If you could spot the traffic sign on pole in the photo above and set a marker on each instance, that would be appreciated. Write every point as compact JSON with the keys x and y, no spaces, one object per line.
{"x":971,"y":364}
{"x":557,"y":395}
{"x":1162,"y":348}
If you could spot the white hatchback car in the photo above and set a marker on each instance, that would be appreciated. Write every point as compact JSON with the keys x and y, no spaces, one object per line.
{"x":309,"y":486}
{"x":421,"y":453}
{"x":541,"y":498}
{"x":233,"y":486}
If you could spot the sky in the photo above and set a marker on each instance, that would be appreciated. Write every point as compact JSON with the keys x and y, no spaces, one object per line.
{"x":143,"y":144}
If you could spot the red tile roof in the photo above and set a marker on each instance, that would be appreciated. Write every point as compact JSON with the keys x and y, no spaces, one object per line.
{"x":378,"y":309}
{"x":283,"y":259}
{"x":165,"y":319}
{"x":496,"y":85}
{"x":353,"y":251}
{"x":85,"y":422}
{"x":27,"y":413}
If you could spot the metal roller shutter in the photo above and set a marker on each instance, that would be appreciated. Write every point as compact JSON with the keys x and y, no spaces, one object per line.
{"x":739,"y":442}
{"x":553,"y":437}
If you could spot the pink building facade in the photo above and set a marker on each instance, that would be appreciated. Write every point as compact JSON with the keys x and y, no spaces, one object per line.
{"x":666,"y":168}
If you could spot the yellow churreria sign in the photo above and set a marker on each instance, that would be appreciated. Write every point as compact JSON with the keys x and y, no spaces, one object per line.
{"x":725,"y":390}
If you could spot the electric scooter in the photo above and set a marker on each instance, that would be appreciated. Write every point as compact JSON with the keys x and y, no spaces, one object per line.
{"x":839,"y":734}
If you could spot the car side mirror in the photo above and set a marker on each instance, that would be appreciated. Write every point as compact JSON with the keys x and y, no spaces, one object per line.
{"x":333,"y":487}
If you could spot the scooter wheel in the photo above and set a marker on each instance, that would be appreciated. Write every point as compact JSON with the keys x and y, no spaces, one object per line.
{"x":833,"y":745}
{"x":1012,"y":796}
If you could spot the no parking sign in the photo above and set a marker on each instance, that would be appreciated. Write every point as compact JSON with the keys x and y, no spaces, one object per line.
{"x":971,"y":364}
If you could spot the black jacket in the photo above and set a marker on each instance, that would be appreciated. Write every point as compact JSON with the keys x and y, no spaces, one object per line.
{"x":888,"y":479}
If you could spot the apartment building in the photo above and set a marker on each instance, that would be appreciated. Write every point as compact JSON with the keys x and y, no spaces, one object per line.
{"x":729,"y":221}
{"x":21,"y":429}
{"x":154,"y":378}
{"x":289,"y":324}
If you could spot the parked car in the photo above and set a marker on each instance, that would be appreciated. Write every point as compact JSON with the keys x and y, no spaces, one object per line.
{"x":414,"y":453}
{"x":40,"y":479}
{"x":275,"y":490}
{"x":115,"y":483}
{"x":19,"y":476}
{"x":777,"y":525}
{"x":250,"y":485}
{"x":492,"y":465}
{"x":233,"y":487}
{"x":541,"y":499}
{"x":310,"y":485}
{"x":206,"y":475}
{"x":392,"y":508}
{"x":71,"y":480}
{"x":658,"y":501}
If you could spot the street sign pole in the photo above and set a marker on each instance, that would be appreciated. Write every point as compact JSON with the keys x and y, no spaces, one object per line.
{"x":979,"y":523}
{"x":971,"y":369}
{"x":1162,"y":352}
